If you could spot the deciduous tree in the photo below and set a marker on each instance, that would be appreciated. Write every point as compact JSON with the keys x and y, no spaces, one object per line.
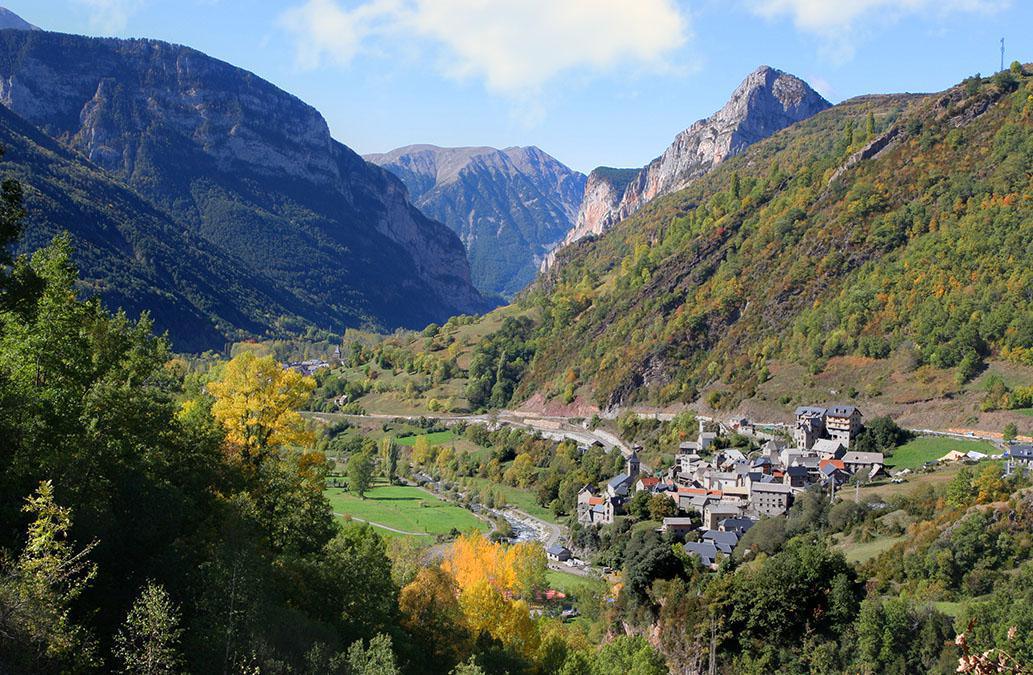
{"x":149,"y":641}
{"x":257,"y":402}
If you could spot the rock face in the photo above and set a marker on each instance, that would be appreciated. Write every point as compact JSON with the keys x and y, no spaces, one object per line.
{"x":603,"y":191}
{"x":767,"y":101}
{"x":131,"y":254}
{"x":510,"y":207}
{"x":249,"y":168}
{"x":9,"y":19}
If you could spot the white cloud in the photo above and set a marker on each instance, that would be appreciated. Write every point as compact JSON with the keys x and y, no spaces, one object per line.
{"x":822,"y":86}
{"x":110,"y":17}
{"x":514,"y":46}
{"x":838,"y":22}
{"x":325,"y":32}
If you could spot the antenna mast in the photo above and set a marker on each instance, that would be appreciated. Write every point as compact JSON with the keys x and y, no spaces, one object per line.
{"x":1002,"y":53}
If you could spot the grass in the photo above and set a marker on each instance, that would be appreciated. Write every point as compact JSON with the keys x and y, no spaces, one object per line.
{"x":405,"y":508}
{"x":915,"y":482}
{"x":518,"y":498}
{"x":861,"y":552}
{"x":951,"y":609}
{"x":436,"y":438}
{"x":1028,"y":412}
{"x":917,"y":452}
{"x":572,"y":584}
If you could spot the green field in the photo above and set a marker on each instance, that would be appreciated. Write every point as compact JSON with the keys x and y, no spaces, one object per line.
{"x":859,"y":553}
{"x":436,"y":438}
{"x":572,"y":584}
{"x":917,"y":452}
{"x":521,"y":499}
{"x":404,"y":508}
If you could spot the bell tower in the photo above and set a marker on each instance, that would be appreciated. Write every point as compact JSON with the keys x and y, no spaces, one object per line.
{"x":632,"y":464}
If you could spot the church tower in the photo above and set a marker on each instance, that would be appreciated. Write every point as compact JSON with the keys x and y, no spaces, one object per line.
{"x":632,"y":465}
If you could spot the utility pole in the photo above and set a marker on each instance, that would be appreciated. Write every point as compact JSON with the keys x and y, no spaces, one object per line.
{"x":1002,"y":53}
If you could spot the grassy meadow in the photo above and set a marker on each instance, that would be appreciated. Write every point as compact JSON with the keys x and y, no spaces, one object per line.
{"x":413,"y":511}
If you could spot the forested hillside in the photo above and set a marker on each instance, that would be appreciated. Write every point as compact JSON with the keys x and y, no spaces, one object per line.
{"x":883,"y":223}
{"x":132,"y":254}
{"x":251,"y":173}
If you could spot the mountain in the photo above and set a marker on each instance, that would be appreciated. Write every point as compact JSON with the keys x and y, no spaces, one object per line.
{"x":247,"y":168}
{"x":9,"y":19}
{"x":767,"y":101}
{"x":133,"y":255}
{"x":510,"y":207}
{"x":890,"y":228}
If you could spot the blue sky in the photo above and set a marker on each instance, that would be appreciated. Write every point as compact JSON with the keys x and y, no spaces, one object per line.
{"x":592,"y":82}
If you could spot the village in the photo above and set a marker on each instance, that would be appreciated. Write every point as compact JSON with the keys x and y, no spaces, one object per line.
{"x":719,"y":493}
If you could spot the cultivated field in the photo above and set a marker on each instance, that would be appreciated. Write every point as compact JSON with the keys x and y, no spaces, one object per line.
{"x":401,"y":510}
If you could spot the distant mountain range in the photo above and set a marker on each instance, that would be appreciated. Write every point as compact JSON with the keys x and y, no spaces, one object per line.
{"x":768,"y":100}
{"x":510,"y":207}
{"x":291,"y":229}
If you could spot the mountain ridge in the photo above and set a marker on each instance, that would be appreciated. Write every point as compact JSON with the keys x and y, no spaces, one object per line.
{"x":248,"y":167}
{"x":509,"y":206}
{"x":871,"y":229}
{"x":766,"y":101}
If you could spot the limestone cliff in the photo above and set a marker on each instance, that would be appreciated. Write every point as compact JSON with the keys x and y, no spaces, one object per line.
{"x":510,"y":207}
{"x":767,"y":101}
{"x":248,"y":167}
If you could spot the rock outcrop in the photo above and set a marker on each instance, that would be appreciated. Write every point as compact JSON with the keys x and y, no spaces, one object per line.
{"x":510,"y":207}
{"x":249,"y":168}
{"x":10,"y":20}
{"x":602,"y":197}
{"x":767,"y":101}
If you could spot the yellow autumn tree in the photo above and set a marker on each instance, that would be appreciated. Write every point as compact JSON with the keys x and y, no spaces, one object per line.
{"x":257,"y":402}
{"x":422,"y":451}
{"x":517,"y":570}
{"x":432,"y":615}
{"x":526,"y":565}
{"x":472,"y":559}
{"x":486,"y":610}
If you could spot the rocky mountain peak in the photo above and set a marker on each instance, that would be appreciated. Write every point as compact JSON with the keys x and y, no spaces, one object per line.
{"x":767,"y":101}
{"x":509,"y":206}
{"x":10,"y":20}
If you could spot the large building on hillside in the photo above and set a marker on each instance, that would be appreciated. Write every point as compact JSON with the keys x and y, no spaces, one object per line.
{"x":839,"y":424}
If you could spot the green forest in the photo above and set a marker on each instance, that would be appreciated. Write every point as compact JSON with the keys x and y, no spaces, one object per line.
{"x":885,"y":223}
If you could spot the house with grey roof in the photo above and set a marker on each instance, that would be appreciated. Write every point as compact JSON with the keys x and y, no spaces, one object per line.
{"x":704,"y":550}
{"x":857,"y":462}
{"x":796,"y":476}
{"x":843,"y":423}
{"x":725,"y":541}
{"x":1018,"y":456}
{"x":809,"y":427}
{"x":558,"y":553}
{"x":738,"y":525}
{"x":828,"y":448}
{"x":770,"y":499}
{"x":677,"y":526}
{"x":715,"y":512}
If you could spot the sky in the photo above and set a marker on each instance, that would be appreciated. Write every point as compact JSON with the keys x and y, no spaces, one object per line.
{"x":591,"y":82}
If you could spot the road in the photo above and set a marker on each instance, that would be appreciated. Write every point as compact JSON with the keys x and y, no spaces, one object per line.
{"x":556,"y":428}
